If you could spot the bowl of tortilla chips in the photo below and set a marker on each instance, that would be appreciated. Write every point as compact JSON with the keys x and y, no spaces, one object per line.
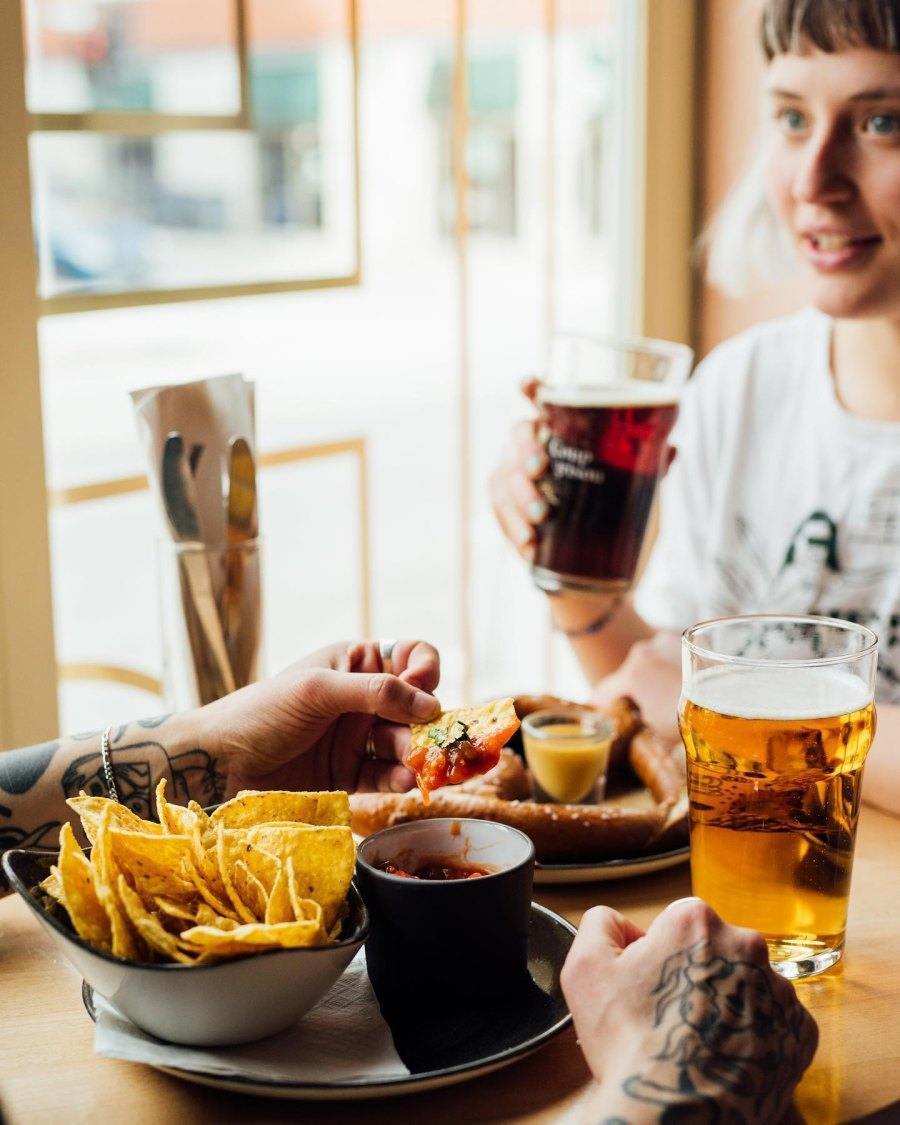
{"x":203,"y":928}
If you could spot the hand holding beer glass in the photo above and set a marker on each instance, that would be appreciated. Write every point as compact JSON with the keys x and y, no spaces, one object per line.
{"x":777,"y":715}
{"x":606,"y":411}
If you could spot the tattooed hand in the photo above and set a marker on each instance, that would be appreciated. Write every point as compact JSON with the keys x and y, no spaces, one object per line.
{"x":686,"y":1022}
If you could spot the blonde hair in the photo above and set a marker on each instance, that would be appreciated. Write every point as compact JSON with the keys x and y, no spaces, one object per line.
{"x":745,"y":247}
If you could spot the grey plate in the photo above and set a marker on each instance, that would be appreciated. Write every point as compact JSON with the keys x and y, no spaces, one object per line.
{"x":484,"y":1041}
{"x":549,"y":873}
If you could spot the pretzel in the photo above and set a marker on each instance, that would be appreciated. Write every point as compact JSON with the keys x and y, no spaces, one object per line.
{"x":560,"y":833}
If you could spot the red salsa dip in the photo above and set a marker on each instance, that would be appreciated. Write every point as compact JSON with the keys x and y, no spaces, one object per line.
{"x":435,"y":870}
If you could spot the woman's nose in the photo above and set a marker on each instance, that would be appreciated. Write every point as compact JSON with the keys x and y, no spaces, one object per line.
{"x":822,"y":175}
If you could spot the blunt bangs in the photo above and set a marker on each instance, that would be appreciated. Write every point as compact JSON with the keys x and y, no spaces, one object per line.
{"x":830,"y":25}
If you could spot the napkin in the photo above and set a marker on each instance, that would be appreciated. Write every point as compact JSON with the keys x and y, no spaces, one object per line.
{"x":344,"y":1038}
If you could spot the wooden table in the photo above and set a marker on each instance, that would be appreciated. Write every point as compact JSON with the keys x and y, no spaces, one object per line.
{"x":48,"y":1071}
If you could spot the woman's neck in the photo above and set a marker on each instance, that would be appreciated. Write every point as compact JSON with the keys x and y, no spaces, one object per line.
{"x":865,"y":363}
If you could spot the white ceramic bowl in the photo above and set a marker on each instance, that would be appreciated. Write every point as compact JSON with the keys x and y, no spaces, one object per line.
{"x":214,"y":1004}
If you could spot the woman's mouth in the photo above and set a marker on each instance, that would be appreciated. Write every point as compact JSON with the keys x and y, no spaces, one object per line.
{"x":828,"y":250}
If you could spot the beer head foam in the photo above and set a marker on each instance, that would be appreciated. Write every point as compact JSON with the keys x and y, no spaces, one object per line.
{"x":638,"y":392}
{"x":779,"y":693}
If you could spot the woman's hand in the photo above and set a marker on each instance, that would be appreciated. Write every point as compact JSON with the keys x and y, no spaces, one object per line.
{"x":517,"y":504}
{"x":651,"y":675}
{"x":688,"y":1018}
{"x":307,"y":727}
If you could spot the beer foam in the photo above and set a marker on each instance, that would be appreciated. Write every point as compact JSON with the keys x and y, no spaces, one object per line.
{"x":780,"y":693}
{"x":636,"y":393}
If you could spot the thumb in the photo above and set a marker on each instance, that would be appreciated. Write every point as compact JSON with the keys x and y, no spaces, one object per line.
{"x":373,"y":693}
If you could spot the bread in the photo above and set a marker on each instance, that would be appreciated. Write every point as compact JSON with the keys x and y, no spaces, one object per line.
{"x":561,"y":833}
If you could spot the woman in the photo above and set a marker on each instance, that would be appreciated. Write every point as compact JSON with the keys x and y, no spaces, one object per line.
{"x":785,"y":494}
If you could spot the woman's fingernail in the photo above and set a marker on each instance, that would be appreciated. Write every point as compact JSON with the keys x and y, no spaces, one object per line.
{"x":524,"y":534}
{"x":533,"y":464}
{"x":537,"y":509}
{"x":424,"y":705}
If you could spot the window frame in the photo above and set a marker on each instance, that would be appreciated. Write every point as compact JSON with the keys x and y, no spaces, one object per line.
{"x":119,"y":122}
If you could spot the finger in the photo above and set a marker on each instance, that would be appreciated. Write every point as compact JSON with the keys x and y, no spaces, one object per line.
{"x":352,"y":658}
{"x":369,"y":693}
{"x":529,"y":455}
{"x":530,"y":505}
{"x":390,"y":741}
{"x":604,"y":933}
{"x":684,"y":921}
{"x":417,"y":663}
{"x":376,"y":777}
{"x":530,"y":387}
{"x":517,"y":530}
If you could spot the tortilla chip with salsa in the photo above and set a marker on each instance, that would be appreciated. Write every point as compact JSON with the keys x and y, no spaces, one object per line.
{"x":460,"y":744}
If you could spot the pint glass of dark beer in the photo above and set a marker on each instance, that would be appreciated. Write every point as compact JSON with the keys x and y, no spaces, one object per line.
{"x":606,"y":411}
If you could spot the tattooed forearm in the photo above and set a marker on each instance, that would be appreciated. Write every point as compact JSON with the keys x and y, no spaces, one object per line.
{"x":35,"y":782}
{"x":727,"y":1042}
{"x":192,"y":773}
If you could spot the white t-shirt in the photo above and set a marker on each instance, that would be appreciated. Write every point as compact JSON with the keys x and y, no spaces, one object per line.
{"x":779,"y":501}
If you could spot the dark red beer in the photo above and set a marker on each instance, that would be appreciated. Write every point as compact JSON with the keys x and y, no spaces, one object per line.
{"x":607,"y":449}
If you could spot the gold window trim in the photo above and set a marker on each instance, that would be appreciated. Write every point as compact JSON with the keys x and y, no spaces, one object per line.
{"x":154,"y":124}
{"x":122,"y":486}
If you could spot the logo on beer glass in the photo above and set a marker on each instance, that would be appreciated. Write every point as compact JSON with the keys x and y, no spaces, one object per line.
{"x":606,"y":412}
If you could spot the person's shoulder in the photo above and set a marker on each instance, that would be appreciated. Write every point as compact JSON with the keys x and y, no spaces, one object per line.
{"x":761,"y":355}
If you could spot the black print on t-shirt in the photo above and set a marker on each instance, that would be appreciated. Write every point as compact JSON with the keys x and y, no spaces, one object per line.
{"x":814,"y":577}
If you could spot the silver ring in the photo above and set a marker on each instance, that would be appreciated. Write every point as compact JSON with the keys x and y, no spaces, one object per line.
{"x":369,"y":751}
{"x":385,"y":648}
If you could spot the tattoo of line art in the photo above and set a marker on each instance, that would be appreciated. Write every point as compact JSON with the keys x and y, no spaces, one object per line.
{"x":193,"y":773}
{"x":157,"y":721}
{"x":724,"y":1028}
{"x":11,"y":836}
{"x":20,"y":770}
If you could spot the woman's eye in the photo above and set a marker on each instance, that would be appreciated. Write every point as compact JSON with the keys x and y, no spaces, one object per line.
{"x":791,"y":120}
{"x":883,"y":125}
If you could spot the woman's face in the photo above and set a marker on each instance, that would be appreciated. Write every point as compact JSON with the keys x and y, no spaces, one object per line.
{"x":834,"y":174}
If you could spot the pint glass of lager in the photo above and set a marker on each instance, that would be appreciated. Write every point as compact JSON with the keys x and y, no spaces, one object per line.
{"x":777,"y":716}
{"x":606,"y":411}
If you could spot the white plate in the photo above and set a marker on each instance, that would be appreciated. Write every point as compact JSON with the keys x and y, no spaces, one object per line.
{"x":548,"y":873}
{"x":491,"y":1039}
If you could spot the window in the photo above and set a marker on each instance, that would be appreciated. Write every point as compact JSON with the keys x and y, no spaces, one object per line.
{"x":489,"y":212}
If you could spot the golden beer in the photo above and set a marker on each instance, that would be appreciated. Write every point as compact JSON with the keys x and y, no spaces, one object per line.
{"x":775,"y":760}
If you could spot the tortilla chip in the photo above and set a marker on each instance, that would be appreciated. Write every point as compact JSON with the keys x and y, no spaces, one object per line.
{"x":174,"y":819}
{"x":148,"y":925}
{"x":323,"y":858}
{"x":255,"y":937}
{"x":208,"y":896}
{"x":222,"y":854}
{"x":250,"y":808}
{"x":124,"y":941}
{"x":78,"y":893}
{"x":90,"y":810}
{"x":279,"y":908}
{"x":250,"y":889}
{"x":52,"y":885}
